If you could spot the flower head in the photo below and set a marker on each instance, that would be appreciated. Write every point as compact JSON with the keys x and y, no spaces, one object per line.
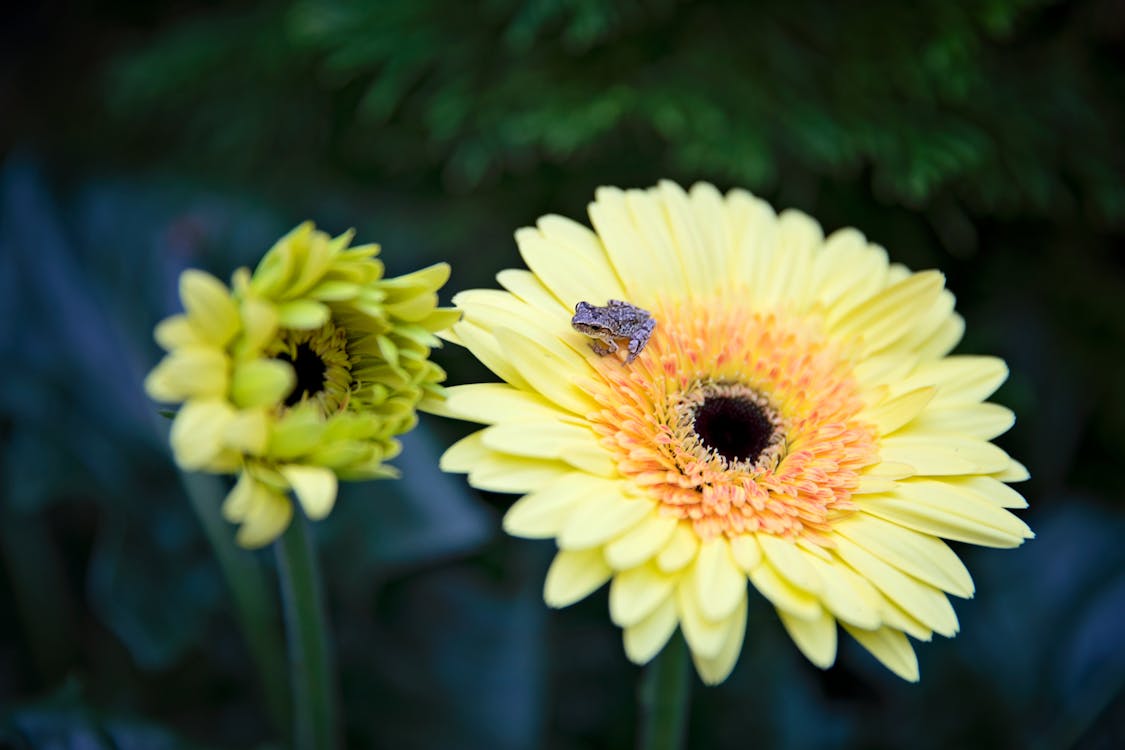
{"x":299,"y":374}
{"x":791,"y":417}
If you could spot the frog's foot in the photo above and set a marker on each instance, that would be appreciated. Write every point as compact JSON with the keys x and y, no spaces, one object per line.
{"x":602,"y":348}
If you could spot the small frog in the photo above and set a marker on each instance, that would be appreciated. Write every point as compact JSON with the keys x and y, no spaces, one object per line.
{"x":608,"y":325}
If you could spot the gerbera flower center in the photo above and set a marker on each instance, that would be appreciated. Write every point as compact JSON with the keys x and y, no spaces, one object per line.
{"x":322,"y":363}
{"x":738,"y":428}
{"x":739,"y":421}
{"x":310,"y":370}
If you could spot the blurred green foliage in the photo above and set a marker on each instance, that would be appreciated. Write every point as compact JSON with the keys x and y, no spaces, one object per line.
{"x":979,"y":136}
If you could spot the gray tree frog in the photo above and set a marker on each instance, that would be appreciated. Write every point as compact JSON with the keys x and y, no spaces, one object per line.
{"x":610,"y":324}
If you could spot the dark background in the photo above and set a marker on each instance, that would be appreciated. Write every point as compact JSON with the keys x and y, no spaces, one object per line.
{"x":981,"y":137}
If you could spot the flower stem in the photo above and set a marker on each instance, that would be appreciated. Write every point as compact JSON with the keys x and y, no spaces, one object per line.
{"x":255,"y":609}
{"x":665,"y":696}
{"x":310,"y":662}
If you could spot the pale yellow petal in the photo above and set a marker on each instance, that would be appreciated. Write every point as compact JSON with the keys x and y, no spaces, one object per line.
{"x":925,"y":557}
{"x":574,"y":575}
{"x":790,"y":264}
{"x":699,"y":260}
{"x":894,"y":413}
{"x":646,"y":638}
{"x":603,"y":516}
{"x":189,"y":372}
{"x":990,"y":490}
{"x":754,"y":231}
{"x":259,"y":321}
{"x":484,"y":347}
{"x":248,"y":432}
{"x":920,"y":600}
{"x":719,"y":583}
{"x":942,"y":455}
{"x":546,"y":372}
{"x":746,"y":552}
{"x":576,"y":445}
{"x":945,"y":509}
{"x":848,"y":595}
{"x":1013,"y":472}
{"x":891,"y":648}
{"x":713,"y":670}
{"x":849,"y":270}
{"x":543,"y":513}
{"x":815,"y":638}
{"x":240,"y":499}
{"x":984,"y":421}
{"x":646,"y":275}
{"x":640,"y":543}
{"x":528,"y":288}
{"x":635,"y":594}
{"x":961,"y":379}
{"x":314,"y":486}
{"x":889,"y":315}
{"x":790,"y":561}
{"x":581,"y":243}
{"x":176,"y":331}
{"x":209,"y":307}
{"x":303,"y":314}
{"x":783,"y":594}
{"x":265,"y":520}
{"x":197,"y":432}
{"x":705,"y":637}
{"x":680,"y":550}
{"x":571,"y":277}
{"x":491,"y":403}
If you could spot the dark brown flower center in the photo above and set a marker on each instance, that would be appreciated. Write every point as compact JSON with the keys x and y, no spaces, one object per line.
{"x":735,"y":427}
{"x":310,"y":369}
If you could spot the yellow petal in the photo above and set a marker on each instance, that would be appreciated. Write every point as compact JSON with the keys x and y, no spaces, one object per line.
{"x":265,"y":520}
{"x":945,"y":509}
{"x":645,"y":639}
{"x":576,"y":445}
{"x":261,"y":382}
{"x":572,"y":266}
{"x":189,"y":372}
{"x":209,"y":307}
{"x":746,"y":552}
{"x":790,"y":561}
{"x":713,"y":670}
{"x":198,"y":430}
{"x":543,"y":513}
{"x":847,"y":595}
{"x":175,"y":332}
{"x":920,"y":555}
{"x":641,"y":543}
{"x":602,"y":517}
{"x":248,"y":432}
{"x":528,"y":288}
{"x":719,"y":583}
{"x":484,"y":347}
{"x":240,"y":499}
{"x":314,"y":486}
{"x":546,"y":372}
{"x":942,"y":455}
{"x":703,"y":636}
{"x":920,"y":600}
{"x":645,"y":272}
{"x":984,"y":421}
{"x":961,"y":379}
{"x":635,"y":594}
{"x":574,"y":575}
{"x":990,"y":490}
{"x":891,"y":313}
{"x":894,"y":413}
{"x":783,"y":594}
{"x":815,"y":638}
{"x":891,"y":648}
{"x":259,"y":321}
{"x":680,"y":550}
{"x":700,"y":260}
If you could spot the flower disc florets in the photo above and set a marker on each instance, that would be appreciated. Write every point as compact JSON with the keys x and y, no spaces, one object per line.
{"x":299,"y":374}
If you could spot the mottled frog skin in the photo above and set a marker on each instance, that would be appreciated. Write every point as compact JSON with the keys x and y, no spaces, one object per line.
{"x":613,"y":323}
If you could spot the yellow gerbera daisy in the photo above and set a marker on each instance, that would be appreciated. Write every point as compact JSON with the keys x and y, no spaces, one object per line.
{"x":701,"y":393}
{"x":299,"y":374}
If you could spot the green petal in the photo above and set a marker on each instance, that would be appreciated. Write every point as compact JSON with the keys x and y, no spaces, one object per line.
{"x":262,"y":382}
{"x":303,"y":314}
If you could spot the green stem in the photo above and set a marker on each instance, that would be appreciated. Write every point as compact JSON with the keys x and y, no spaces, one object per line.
{"x":310,"y":663}
{"x":255,"y":609}
{"x":665,"y":696}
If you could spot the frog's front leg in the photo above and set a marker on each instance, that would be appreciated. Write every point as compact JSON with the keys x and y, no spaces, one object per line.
{"x":638,"y":341}
{"x":603,"y":347}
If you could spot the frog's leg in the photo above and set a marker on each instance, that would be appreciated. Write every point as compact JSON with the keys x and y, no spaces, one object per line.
{"x":602,"y":348}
